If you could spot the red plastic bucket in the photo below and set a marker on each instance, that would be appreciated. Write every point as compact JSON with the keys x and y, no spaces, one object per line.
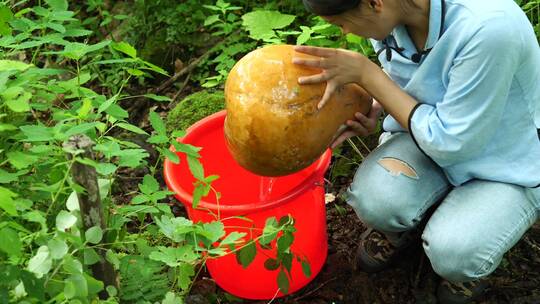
{"x":300,"y":194}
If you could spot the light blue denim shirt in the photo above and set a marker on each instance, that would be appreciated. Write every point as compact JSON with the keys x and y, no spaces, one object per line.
{"x":477,"y":82}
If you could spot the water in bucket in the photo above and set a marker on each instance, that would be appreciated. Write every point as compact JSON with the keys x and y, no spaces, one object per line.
{"x":257,"y":198}
{"x":266,"y":188}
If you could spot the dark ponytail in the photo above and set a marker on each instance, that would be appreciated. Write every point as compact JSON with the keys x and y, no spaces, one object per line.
{"x":330,"y":7}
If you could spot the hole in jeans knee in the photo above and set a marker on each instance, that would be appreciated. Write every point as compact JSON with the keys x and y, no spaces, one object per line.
{"x":396,"y":167}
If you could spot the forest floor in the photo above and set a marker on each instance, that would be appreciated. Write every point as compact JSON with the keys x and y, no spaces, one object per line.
{"x":411,"y":280}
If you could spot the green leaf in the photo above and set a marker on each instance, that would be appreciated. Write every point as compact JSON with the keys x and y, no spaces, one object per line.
{"x":104,"y":106}
{"x":57,"y":27}
{"x":74,"y":32}
{"x":232,"y":238}
{"x":210,"y":178}
{"x":105,"y":168}
{"x":7,"y":127}
{"x":125,"y":48}
{"x":58,"y":5}
{"x":135,"y":72}
{"x":76,"y":50}
{"x":173,"y":157}
{"x":57,"y":248}
{"x":6,"y":201}
{"x":75,"y":286}
{"x":94,"y":286}
{"x":36,"y":217}
{"x":200,"y":191}
{"x":271,"y":264}
{"x":139,"y":199}
{"x":7,"y":177}
{"x":283,"y":282}
{"x":261,"y":24}
{"x":33,"y":286}
{"x":284,"y":242}
{"x":10,"y":65}
{"x":157,"y":123}
{"x":111,"y":291}
{"x":286,"y":259}
{"x":131,"y":128}
{"x":79,"y":129}
{"x":306,"y":268}
{"x":72,"y":202}
{"x":16,"y":98}
{"x":5,"y":16}
{"x":171,"y":298}
{"x":187,"y":149}
{"x":158,"y":97}
{"x":116,"y":111}
{"x":195,"y":167}
{"x":90,"y":256}
{"x":10,"y":242}
{"x":21,"y":160}
{"x":158,"y":139}
{"x":37,"y":133}
{"x":154,"y":68}
{"x":246,"y":254}
{"x":65,"y":220}
{"x":304,"y":37}
{"x":93,"y":235}
{"x":40,"y":263}
{"x":85,"y":108}
{"x":187,"y":271}
{"x":72,"y":265}
{"x":174,"y":256}
{"x":149,"y":185}
{"x":211,"y":20}
{"x":213,"y":231}
{"x":270,"y":231}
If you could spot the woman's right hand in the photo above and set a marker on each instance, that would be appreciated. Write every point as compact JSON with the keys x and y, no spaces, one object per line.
{"x":362,"y":125}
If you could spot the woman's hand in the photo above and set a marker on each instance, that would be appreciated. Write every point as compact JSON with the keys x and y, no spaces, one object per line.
{"x":339,"y":66}
{"x":363,"y":125}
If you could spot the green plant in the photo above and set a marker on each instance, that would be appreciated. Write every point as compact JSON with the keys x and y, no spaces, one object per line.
{"x":53,"y":85}
{"x":193,"y":108}
{"x":532,"y":10}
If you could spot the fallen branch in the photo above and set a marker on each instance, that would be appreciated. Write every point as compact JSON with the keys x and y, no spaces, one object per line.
{"x":192,"y":65}
{"x":90,"y":204}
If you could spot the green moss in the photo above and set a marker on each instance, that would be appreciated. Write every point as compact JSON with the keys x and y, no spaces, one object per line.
{"x":194,"y":108}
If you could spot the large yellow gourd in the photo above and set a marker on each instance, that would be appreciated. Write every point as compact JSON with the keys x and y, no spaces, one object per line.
{"x":273,"y":126}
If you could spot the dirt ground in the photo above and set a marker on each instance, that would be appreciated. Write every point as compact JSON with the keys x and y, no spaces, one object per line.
{"x":411,"y":280}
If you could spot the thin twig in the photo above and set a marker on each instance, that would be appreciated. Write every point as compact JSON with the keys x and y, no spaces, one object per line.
{"x":532,"y":244}
{"x":274,"y":297}
{"x":314,"y":290}
{"x":174,"y":101}
{"x":417,"y":279}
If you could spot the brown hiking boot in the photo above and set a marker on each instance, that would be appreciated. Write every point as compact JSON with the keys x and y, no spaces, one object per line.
{"x":460,"y":293}
{"x":376,"y":252}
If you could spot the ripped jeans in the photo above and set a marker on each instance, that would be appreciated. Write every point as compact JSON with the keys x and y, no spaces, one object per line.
{"x":472,"y":225}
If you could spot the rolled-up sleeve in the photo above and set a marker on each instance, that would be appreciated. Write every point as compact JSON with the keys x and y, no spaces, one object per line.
{"x":458,"y":127}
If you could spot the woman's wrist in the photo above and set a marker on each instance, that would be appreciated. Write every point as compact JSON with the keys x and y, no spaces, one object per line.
{"x":376,"y":82}
{"x":366,"y":68}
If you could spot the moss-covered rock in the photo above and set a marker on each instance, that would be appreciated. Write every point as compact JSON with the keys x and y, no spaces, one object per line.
{"x":194,"y":108}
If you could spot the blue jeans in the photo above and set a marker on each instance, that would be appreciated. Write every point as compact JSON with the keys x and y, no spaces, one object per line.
{"x":472,"y":225}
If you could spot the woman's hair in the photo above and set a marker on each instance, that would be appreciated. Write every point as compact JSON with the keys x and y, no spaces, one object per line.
{"x":330,"y":7}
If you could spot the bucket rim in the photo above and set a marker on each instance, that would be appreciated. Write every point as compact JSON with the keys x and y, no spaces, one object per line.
{"x":186,"y":198}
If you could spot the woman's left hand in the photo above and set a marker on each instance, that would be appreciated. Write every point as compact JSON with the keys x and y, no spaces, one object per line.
{"x":339,"y":66}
